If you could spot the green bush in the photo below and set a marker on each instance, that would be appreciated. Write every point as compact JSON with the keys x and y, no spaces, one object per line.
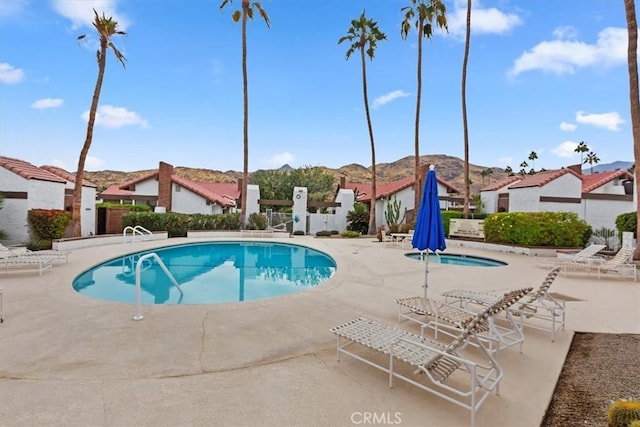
{"x":177,"y":224}
{"x":351,"y":234}
{"x":358,"y":219}
{"x":627,"y":222}
{"x":446,"y":219}
{"x":257,"y":221}
{"x":554,"y":229}
{"x":132,"y":208}
{"x":47,"y":224}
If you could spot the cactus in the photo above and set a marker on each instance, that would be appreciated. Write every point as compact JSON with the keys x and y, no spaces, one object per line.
{"x":623,"y":412}
{"x":392,"y":213}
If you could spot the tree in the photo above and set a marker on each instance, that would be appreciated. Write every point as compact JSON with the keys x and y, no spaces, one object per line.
{"x":425,"y":16}
{"x":524,"y":164}
{"x":508,"y":171}
{"x":246,"y":11}
{"x":533,"y":156}
{"x":582,"y":148}
{"x":591,"y":159}
{"x":634,"y":97}
{"x":364,"y":36}
{"x":484,"y":174}
{"x":106,"y":27}
{"x":465,"y":208}
{"x":489,"y":173}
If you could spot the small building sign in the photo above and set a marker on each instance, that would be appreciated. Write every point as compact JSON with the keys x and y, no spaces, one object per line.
{"x":471,"y":228}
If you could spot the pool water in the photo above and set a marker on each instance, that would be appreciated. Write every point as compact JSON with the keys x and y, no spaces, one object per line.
{"x":212,"y":272}
{"x":458,"y":259}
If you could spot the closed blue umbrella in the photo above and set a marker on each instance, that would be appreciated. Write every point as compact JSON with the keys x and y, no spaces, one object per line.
{"x":429,"y":231}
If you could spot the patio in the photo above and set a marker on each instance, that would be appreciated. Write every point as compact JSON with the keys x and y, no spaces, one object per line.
{"x":75,"y":361}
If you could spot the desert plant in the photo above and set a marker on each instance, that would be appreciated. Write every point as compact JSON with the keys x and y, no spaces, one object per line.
{"x":623,"y":412}
{"x":358,"y":219}
{"x":257,"y":221}
{"x":394,"y":214}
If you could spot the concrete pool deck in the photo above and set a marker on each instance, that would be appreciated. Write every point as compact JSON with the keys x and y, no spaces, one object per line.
{"x":69,"y":360}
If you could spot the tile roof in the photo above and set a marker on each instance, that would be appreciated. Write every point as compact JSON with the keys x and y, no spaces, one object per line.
{"x":68,"y":176}
{"x":227,"y":189}
{"x":592,"y":181}
{"x":385,"y":190}
{"x":540,"y":179}
{"x":115,"y":190}
{"x":27,"y":170}
{"x":203,"y":192}
{"x":501,"y":183}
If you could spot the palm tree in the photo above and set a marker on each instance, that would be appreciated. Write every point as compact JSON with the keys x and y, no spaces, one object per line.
{"x":467,"y":42}
{"x":246,"y":11}
{"x":424,"y":16}
{"x":508,"y":171}
{"x":634,"y":96}
{"x":362,"y":33}
{"x":591,"y":159}
{"x":484,"y":174}
{"x":489,"y":173}
{"x":533,"y":156}
{"x":582,"y":148}
{"x":106,"y":27}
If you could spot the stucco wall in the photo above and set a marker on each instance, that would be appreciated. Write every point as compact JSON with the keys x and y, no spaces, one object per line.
{"x":88,"y":211}
{"x":186,"y":201}
{"x":603,"y":213}
{"x":148,"y":187}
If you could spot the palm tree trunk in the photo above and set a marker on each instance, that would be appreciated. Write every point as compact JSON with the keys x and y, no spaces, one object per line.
{"x":245,"y":128}
{"x":372,"y":209}
{"x":465,"y":209}
{"x":416,"y":142}
{"x":76,"y":210}
{"x":634,"y":100}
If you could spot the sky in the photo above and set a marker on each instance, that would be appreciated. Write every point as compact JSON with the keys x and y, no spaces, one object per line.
{"x":542,"y":76}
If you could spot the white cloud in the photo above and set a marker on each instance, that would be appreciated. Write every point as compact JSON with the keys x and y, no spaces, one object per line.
{"x":506,"y":161}
{"x":483,"y":20}
{"x":94,"y":163}
{"x":385,"y":99}
{"x":12,"y":7}
{"x":80,"y":13}
{"x":565,"y":149}
{"x":10,"y":74}
{"x":565,"y":33}
{"x":568,"y":127}
{"x":116,"y":117}
{"x":562,"y":56}
{"x":45,"y":103}
{"x":611,"y":121}
{"x":281,"y":159}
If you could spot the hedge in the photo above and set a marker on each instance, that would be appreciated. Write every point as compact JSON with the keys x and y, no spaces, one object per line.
{"x":177,"y":224}
{"x":553,"y":229}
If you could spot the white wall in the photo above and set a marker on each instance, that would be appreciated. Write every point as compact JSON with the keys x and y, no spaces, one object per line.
{"x":489,"y":201}
{"x":404,"y":197}
{"x":88,"y":207}
{"x":253,"y":199}
{"x":524,"y":199}
{"x":300,"y":209}
{"x":603,"y":213}
{"x":148,"y":187}
{"x":347,"y":199}
{"x":187,"y":202}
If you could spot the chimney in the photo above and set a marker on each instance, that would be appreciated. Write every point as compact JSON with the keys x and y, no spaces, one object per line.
{"x":343,"y":181}
{"x":164,"y":185}
{"x":576,"y":168}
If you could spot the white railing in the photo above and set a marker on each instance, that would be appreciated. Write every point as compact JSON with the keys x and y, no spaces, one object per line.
{"x":138,"y":315}
{"x":137,"y":230}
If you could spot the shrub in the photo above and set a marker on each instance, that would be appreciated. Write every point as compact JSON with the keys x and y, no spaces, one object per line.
{"x":47,"y":224}
{"x":351,"y":234}
{"x":132,"y":208}
{"x":177,"y":224}
{"x":257,"y":221}
{"x":555,"y":229}
{"x":324,"y":233}
{"x":358,"y":219}
{"x":298,"y":233}
{"x":627,"y":222}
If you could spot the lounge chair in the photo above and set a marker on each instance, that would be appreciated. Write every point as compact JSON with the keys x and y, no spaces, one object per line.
{"x":56,"y":256}
{"x":25,"y":263}
{"x":386,"y":238}
{"x":538,"y":304}
{"x":621,"y":263}
{"x":582,"y":260}
{"x":436,"y":360}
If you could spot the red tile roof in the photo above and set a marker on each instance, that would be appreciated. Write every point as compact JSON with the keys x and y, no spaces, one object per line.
{"x":540,"y":179}
{"x":501,"y":183}
{"x":386,"y":190}
{"x":70,"y":177}
{"x":115,"y":190}
{"x":227,"y":189}
{"x":27,"y":170}
{"x":592,"y":181}
{"x":201,"y":191}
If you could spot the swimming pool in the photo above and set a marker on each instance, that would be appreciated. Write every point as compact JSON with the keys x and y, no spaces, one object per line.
{"x":459,"y":259}
{"x":211,"y":272}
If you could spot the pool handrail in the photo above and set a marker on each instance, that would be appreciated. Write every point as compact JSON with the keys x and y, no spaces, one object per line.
{"x":138,"y":229}
{"x":138,"y":315}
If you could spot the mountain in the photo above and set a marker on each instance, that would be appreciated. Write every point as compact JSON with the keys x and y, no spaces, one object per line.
{"x":607,"y":167}
{"x":448,"y":168}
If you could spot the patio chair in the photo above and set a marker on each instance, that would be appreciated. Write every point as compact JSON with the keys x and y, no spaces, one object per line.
{"x":621,"y":263}
{"x":539,"y":304}
{"x":25,"y":263}
{"x":386,"y":238}
{"x":433,"y":362}
{"x":56,"y":256}
{"x":581,"y":260}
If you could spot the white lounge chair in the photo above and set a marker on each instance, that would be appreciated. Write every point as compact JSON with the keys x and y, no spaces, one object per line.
{"x":621,"y":263}
{"x":56,"y":256}
{"x":434,"y":362}
{"x":538,"y":304}
{"x":581,"y":260}
{"x":25,"y":263}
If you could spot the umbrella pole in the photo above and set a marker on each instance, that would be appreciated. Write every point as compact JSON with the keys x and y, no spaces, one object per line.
{"x":426,"y":272}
